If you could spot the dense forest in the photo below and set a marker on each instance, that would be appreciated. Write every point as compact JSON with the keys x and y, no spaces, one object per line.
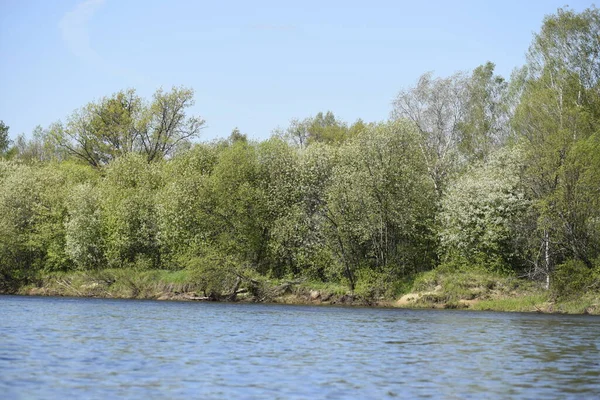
{"x":471,"y":172}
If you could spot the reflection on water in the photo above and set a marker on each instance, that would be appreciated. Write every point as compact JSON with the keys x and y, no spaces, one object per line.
{"x":92,"y":348}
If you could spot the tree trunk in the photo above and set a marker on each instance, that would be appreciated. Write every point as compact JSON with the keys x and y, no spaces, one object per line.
{"x":547,"y":258}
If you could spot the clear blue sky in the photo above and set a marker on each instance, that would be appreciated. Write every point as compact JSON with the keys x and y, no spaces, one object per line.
{"x":253,"y":64}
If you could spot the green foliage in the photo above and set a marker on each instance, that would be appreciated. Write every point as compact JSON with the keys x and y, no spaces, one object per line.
{"x":483,"y":127}
{"x":473,"y":181}
{"x":325,"y":128}
{"x":84,"y":241}
{"x":380,"y":202}
{"x":483,"y":216}
{"x":523,"y":303}
{"x":238,"y":211}
{"x":39,"y":148}
{"x":379,"y":284}
{"x":185,"y":203}
{"x":294,"y":184}
{"x":127,"y":204}
{"x":557,"y":114}
{"x":322,"y":128}
{"x":4,"y":139}
{"x":213,"y":273}
{"x":237,"y":136}
{"x":124,"y":123}
{"x":435,"y":107}
{"x":446,"y":285}
{"x":573,"y":278}
{"x":117,"y":283}
{"x":32,"y":215}
{"x":577,"y":200}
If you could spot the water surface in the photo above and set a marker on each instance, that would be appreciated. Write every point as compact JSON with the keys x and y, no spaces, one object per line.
{"x":98,"y":349}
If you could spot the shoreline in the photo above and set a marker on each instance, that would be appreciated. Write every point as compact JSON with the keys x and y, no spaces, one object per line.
{"x":308,"y":297}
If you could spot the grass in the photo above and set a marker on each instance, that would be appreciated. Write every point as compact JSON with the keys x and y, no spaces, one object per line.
{"x":588,"y":303}
{"x":473,"y":289}
{"x":115,"y":283}
{"x":451,"y":286}
{"x":535,"y":302}
{"x":478,"y":289}
{"x":585,"y":304}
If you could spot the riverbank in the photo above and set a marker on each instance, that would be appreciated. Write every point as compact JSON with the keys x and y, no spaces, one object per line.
{"x":434,"y":289}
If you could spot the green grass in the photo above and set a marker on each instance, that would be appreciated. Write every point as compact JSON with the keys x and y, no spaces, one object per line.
{"x":542,"y":302}
{"x":588,"y":303}
{"x":446,"y":286}
{"x":117,"y":283}
{"x":528,"y":303}
{"x":477,"y":290}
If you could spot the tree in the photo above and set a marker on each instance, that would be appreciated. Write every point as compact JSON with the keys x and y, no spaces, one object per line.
{"x":326,"y":128}
{"x":436,"y":106}
{"x":294,"y":234}
{"x":32,"y":218}
{"x":559,"y":108}
{"x":380,"y":204}
{"x":485,"y":215}
{"x":296,"y":183}
{"x":165,"y":125}
{"x":129,"y":213}
{"x":238,"y":211}
{"x":578,"y":201}
{"x":236,"y":135}
{"x":102,"y":131}
{"x":84,"y":243}
{"x":462,"y":117}
{"x":322,"y":128}
{"x":485,"y":124}
{"x":185,"y":205}
{"x":296,"y":134}
{"x":4,"y":139}
{"x":39,"y":148}
{"x":124,"y":123}
{"x":356,"y":128}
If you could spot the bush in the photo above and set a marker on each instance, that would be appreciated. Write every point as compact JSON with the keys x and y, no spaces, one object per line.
{"x":574,"y":278}
{"x":213,"y":273}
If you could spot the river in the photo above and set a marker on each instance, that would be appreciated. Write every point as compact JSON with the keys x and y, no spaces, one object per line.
{"x":99,"y":349}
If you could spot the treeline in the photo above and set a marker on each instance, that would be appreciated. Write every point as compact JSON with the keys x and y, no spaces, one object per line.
{"x":470,"y":171}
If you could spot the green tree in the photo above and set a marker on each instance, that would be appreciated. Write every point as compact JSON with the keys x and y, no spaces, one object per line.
{"x":436,"y":107}
{"x":485,"y":215}
{"x":558,"y":109}
{"x":322,"y":128}
{"x":185,"y":205}
{"x":84,"y":242}
{"x":380,"y":203}
{"x":39,"y":148}
{"x":236,"y":135}
{"x":578,"y":201}
{"x":102,"y":131}
{"x":326,"y":128}
{"x":129,"y":215}
{"x":4,"y":139}
{"x":293,"y":183}
{"x":484,"y":124}
{"x":296,"y":184}
{"x":124,"y":123}
{"x":165,"y":127}
{"x":238,"y":211}
{"x":460,"y":118}
{"x":33,"y":213}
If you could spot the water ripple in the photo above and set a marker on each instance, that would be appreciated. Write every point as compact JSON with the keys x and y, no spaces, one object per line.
{"x":56,"y":347}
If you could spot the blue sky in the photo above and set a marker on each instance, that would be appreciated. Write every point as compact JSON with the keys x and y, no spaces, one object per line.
{"x":253,"y":64}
